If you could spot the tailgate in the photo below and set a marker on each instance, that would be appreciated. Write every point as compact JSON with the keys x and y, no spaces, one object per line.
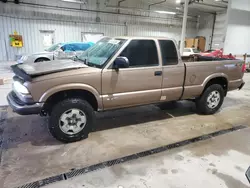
{"x":235,"y":69}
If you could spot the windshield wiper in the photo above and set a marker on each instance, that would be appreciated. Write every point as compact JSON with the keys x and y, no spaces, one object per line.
{"x":82,"y":60}
{"x":75,"y":58}
{"x":90,"y":64}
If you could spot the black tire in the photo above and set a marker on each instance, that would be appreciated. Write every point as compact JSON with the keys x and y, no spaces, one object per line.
{"x":202,"y":104}
{"x":41,"y":60}
{"x":63,"y":106}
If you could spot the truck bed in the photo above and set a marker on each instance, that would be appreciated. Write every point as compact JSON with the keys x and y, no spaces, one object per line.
{"x":199,"y":72}
{"x":193,"y":58}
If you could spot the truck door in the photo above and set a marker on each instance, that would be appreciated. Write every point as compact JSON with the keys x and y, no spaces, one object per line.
{"x":140,"y":83}
{"x":173,"y":71}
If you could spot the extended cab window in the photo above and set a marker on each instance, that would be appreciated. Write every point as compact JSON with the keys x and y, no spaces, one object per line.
{"x":168,"y":52}
{"x":141,"y":53}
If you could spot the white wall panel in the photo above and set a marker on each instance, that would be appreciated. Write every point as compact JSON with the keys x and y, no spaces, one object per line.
{"x":219,"y":31}
{"x":3,"y":52}
{"x":237,"y":39}
{"x":161,"y":31}
{"x":241,"y":4}
{"x":206,"y":28}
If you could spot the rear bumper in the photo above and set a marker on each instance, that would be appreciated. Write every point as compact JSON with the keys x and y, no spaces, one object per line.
{"x":241,"y":86}
{"x":235,"y":84}
{"x":21,"y":108}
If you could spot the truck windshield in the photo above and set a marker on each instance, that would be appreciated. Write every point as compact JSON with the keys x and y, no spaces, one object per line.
{"x":101,"y":52}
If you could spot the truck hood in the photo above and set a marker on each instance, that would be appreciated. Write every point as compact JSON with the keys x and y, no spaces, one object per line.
{"x":30,"y":70}
{"x":43,"y":53}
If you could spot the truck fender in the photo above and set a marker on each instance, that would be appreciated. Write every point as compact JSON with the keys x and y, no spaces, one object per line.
{"x":72,"y":86}
{"x":212,"y":76}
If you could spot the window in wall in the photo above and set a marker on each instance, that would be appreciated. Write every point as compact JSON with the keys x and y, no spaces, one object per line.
{"x":141,"y":53}
{"x":48,"y":38}
{"x":91,"y":37}
{"x":168,"y":52}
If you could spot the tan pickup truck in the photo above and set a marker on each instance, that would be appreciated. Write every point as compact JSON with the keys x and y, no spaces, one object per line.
{"x":116,"y":73}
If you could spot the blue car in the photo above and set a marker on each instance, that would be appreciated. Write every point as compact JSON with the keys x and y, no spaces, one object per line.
{"x":57,"y":51}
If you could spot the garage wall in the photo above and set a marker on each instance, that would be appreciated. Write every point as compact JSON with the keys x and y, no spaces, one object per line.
{"x":30,"y":30}
{"x":206,"y":22}
{"x":161,"y":31}
{"x":238,"y":27}
{"x":219,"y":31}
{"x":71,"y":31}
{"x":69,"y":24}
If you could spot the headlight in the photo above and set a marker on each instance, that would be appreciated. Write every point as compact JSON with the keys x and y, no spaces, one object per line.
{"x":24,"y":58}
{"x":17,"y":86}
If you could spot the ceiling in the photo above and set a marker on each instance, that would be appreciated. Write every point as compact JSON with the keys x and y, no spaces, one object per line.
{"x":196,"y":7}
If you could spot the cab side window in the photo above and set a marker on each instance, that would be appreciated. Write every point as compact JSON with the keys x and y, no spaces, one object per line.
{"x":141,"y":53}
{"x":168,"y":52}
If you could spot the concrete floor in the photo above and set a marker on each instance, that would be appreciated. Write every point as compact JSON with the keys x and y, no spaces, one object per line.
{"x":6,"y":74}
{"x":206,"y":164}
{"x":29,"y":153}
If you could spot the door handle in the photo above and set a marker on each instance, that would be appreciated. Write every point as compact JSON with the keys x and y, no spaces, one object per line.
{"x":158,"y":73}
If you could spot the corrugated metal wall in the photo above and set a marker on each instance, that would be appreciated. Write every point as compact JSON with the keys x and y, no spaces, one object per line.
{"x":219,"y":31}
{"x":68,"y":25}
{"x":206,"y":28}
{"x":30,"y":30}
{"x":71,"y":31}
{"x":159,"y":31}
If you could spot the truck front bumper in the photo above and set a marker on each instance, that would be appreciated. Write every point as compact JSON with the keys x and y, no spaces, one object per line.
{"x":22,"y":108}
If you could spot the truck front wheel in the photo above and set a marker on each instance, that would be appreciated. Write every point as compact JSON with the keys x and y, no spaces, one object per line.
{"x":71,"y":120}
{"x":211,"y":99}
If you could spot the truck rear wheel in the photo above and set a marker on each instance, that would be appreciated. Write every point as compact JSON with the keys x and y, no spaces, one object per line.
{"x":71,"y":120}
{"x":211,"y":99}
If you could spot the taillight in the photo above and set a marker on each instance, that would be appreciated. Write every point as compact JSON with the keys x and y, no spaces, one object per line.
{"x":244,"y":67}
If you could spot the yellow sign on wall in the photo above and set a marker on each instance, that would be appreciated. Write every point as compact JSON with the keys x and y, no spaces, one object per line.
{"x":16,"y":40}
{"x":17,"y":44}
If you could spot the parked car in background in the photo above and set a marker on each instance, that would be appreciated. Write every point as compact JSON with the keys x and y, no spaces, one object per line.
{"x":190,"y":51}
{"x":57,"y":51}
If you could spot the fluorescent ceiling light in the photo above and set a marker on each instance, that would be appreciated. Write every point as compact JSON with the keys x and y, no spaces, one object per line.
{"x":164,"y":12}
{"x":73,"y":1}
{"x":178,"y":8}
{"x":178,"y":1}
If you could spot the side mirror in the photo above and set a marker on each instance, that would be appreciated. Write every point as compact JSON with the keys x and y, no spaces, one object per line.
{"x":121,"y":62}
{"x":61,"y":49}
{"x":248,"y":174}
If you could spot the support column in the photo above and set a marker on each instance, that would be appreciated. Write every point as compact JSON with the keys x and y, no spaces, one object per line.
{"x":184,"y":26}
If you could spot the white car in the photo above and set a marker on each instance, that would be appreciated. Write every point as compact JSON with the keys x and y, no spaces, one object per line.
{"x":190,"y":51}
{"x":57,"y":51}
